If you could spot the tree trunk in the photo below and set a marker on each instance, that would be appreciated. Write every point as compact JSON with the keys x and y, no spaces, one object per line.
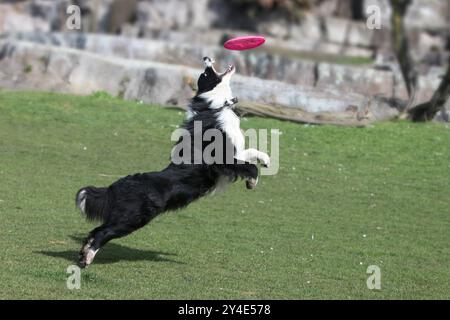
{"x":358,"y":10}
{"x":401,"y":45}
{"x":426,"y":111}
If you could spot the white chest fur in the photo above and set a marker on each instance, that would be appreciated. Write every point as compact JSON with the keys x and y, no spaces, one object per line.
{"x":218,"y":96}
{"x":231,"y":125}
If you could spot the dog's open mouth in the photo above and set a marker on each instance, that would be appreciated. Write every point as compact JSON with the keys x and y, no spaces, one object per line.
{"x":229,"y":69}
{"x":210,"y":63}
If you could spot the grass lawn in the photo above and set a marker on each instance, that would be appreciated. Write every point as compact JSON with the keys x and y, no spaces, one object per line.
{"x":344,"y":199}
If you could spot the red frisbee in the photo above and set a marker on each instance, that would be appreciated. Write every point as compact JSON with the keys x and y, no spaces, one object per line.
{"x":244,"y":43}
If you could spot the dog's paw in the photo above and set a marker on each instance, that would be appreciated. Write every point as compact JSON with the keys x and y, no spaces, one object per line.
{"x":87,"y":258}
{"x":84,"y":257}
{"x":82,"y":263}
{"x":265,"y":160}
{"x":251,"y":183}
{"x":86,"y":247}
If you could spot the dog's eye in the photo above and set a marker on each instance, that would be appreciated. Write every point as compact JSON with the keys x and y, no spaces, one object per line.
{"x":204,"y":74}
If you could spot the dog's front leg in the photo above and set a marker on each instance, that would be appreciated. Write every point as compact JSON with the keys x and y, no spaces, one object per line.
{"x":252,"y":154}
{"x":244,"y":170}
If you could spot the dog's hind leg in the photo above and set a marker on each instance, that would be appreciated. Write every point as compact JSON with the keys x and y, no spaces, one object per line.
{"x":87,"y":254}
{"x":88,"y":242}
{"x":101,"y":235}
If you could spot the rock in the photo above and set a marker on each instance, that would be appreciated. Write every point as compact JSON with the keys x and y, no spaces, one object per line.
{"x":15,"y":18}
{"x":426,"y":45}
{"x":252,"y":63}
{"x":427,"y":15}
{"x":425,"y":22}
{"x":428,"y":84}
{"x":365,"y":81}
{"x":421,"y":15}
{"x":74,"y":71}
{"x":174,"y":14}
{"x":130,"y":31}
{"x":343,"y":31}
{"x":349,"y":79}
{"x":283,"y":66}
{"x":442,"y":116}
{"x":312,"y":28}
{"x":275,"y":28}
{"x":309,"y":29}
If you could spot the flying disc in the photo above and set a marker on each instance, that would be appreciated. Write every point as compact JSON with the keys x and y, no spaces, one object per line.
{"x":244,"y":43}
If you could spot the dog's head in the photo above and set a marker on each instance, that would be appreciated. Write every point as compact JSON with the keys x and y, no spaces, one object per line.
{"x":214,"y":87}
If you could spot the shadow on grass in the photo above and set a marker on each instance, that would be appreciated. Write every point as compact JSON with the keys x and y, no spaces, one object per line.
{"x":112,"y":253}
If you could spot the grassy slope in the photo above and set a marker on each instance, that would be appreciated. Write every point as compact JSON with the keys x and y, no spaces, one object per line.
{"x":389,"y":182}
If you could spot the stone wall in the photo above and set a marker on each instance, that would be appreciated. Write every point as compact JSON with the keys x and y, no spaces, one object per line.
{"x":25,"y":65}
{"x":364,"y":80}
{"x":257,"y":63}
{"x":300,"y":66}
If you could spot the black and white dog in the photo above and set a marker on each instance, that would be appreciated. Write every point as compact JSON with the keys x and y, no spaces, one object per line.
{"x":133,"y":201}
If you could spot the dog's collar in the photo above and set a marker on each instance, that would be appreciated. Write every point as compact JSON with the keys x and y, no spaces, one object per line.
{"x":231,"y":106}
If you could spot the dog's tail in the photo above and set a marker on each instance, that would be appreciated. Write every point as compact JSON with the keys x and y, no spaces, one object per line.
{"x":93,"y":202}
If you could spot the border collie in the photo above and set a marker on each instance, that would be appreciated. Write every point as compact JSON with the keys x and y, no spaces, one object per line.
{"x":133,"y":201}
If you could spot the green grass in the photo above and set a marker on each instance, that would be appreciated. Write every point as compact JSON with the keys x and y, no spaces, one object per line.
{"x":344,"y":199}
